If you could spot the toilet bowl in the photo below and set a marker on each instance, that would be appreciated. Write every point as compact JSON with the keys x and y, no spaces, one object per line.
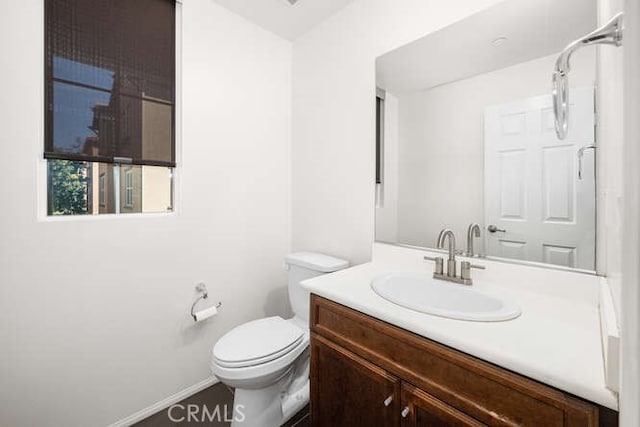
{"x":262,"y":359}
{"x":267,"y":360}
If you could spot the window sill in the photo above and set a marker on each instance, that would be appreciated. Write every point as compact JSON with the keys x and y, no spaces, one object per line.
{"x":106,"y":217}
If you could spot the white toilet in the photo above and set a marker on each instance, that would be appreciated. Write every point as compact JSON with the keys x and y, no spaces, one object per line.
{"x":267,"y":360}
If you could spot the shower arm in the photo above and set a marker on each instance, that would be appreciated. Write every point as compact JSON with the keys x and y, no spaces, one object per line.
{"x":609,"y":33}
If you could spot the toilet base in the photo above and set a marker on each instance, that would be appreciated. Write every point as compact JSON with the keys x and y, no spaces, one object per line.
{"x":267,"y":407}
{"x":257,"y":408}
{"x":276,"y":404}
{"x":292,"y":404}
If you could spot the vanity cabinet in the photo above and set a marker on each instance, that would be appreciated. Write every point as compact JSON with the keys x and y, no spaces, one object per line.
{"x":360,"y":390}
{"x":365,"y":372}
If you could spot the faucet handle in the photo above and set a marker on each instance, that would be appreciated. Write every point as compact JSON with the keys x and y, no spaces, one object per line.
{"x":466,"y":267}
{"x":439,"y":269}
{"x":439,"y":266}
{"x":465,"y":270}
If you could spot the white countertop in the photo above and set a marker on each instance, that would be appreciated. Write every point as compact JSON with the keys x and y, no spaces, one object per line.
{"x":556,"y":340}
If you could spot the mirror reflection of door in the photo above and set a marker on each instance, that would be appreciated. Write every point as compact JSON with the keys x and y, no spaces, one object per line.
{"x":537,"y":208}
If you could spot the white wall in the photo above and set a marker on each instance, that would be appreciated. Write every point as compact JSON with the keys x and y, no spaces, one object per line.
{"x":94,"y":322}
{"x":442,"y":145}
{"x":630,"y":289}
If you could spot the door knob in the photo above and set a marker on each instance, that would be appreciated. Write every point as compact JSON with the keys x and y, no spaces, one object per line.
{"x":405,"y":412}
{"x":492,"y":229}
{"x":388,"y":400}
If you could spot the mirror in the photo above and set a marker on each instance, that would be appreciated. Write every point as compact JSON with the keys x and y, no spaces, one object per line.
{"x":466,"y":135}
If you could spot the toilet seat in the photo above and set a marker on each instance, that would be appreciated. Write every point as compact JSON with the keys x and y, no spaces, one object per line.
{"x":257,"y":342}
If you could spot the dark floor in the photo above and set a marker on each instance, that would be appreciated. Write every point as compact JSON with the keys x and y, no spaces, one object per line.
{"x":218,"y":400}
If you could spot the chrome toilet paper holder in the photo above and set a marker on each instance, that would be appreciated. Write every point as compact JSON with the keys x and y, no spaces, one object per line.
{"x":202,"y":289}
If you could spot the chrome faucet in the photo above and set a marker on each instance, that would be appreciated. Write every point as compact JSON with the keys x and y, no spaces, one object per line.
{"x":465,"y":266}
{"x":451,"y":262}
{"x":473,"y":231}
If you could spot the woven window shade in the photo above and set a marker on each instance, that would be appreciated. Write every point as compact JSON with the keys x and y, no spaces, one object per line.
{"x":110,"y":81}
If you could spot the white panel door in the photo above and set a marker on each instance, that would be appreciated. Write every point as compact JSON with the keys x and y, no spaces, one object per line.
{"x":533,"y":196}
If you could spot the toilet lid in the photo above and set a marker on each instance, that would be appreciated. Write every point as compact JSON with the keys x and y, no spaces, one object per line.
{"x":259,"y":341}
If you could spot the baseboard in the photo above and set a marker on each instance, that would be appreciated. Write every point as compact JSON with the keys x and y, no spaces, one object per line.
{"x":165,"y":403}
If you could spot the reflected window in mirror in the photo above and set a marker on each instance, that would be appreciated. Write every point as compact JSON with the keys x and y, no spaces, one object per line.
{"x":379,"y":134}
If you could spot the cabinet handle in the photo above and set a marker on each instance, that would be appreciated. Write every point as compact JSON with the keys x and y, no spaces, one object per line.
{"x":405,"y":412}
{"x":388,"y":400}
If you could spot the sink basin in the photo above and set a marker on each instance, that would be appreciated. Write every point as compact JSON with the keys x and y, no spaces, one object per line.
{"x":423,"y":293}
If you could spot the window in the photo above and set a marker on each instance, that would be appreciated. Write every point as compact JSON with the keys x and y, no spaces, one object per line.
{"x":109,"y":101}
{"x":128,"y":188}
{"x":103,"y":183}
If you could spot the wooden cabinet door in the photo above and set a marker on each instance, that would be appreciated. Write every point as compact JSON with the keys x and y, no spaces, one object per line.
{"x":420,"y":409}
{"x":346,"y":390}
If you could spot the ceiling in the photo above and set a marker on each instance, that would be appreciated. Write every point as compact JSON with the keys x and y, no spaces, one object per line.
{"x":283,"y":18}
{"x":531,"y":29}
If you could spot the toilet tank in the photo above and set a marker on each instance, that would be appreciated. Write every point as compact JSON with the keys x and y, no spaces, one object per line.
{"x":303,"y":266}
